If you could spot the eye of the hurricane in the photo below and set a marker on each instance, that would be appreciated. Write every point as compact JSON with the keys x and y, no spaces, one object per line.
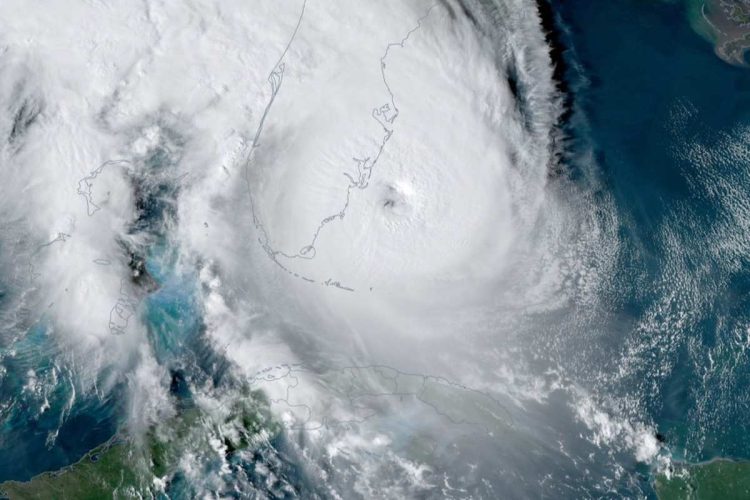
{"x":398,"y":200}
{"x":375,"y":198}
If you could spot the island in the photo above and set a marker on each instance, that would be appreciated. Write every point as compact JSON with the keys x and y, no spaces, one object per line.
{"x":726,"y":23}
{"x":143,"y":466}
{"x":717,"y":479}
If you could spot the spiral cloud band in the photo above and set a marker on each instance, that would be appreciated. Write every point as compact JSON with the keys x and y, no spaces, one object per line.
{"x":357,"y":206}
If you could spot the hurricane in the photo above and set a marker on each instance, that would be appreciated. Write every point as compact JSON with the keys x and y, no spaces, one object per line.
{"x":350,"y":249}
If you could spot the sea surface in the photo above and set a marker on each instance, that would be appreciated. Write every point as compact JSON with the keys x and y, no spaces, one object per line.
{"x":667,"y":125}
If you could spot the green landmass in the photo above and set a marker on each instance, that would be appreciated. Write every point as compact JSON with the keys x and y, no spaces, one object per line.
{"x":104,"y":472}
{"x":126,"y":467}
{"x":719,"y":479}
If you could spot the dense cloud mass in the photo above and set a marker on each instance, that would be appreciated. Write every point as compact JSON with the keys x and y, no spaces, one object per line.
{"x":357,"y":209}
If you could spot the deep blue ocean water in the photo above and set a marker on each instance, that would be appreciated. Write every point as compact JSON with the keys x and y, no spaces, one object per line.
{"x":648,"y":88}
{"x":635,"y":68}
{"x":25,"y":431}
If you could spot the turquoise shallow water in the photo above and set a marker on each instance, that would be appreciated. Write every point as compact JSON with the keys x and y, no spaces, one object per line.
{"x":28,"y":423}
{"x":667,"y":122}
